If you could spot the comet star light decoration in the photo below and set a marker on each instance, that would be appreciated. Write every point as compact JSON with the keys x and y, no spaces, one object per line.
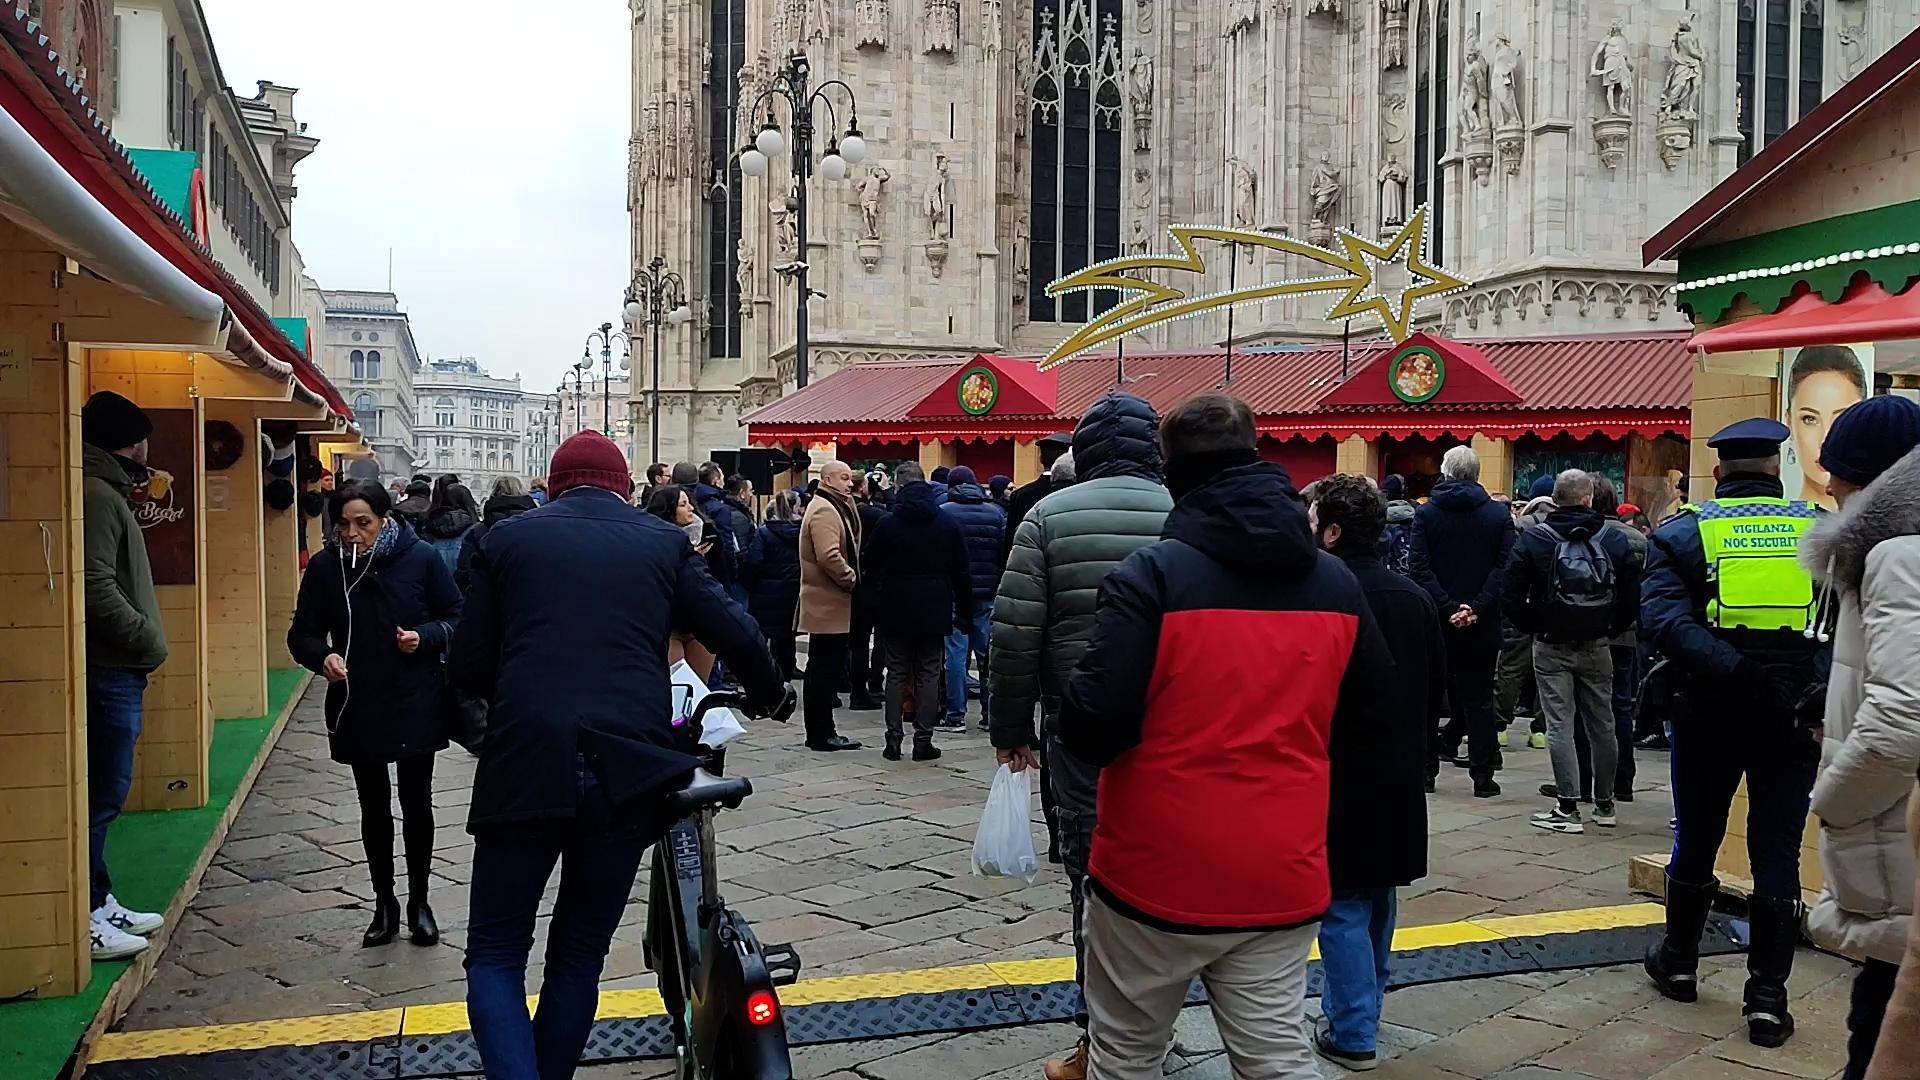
{"x":1357,"y":275}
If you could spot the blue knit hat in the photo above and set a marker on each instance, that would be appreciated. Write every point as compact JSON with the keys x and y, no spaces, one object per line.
{"x":961,"y":475}
{"x":1541,"y":487}
{"x":1869,"y":437}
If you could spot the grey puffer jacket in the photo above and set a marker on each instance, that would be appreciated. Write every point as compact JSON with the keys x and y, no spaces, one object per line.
{"x":1043,"y":617}
{"x":1868,"y":559}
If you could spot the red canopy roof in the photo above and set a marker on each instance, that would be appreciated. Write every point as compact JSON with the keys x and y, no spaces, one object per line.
{"x":1866,"y":313}
{"x":1607,"y":384}
{"x":1468,"y":377}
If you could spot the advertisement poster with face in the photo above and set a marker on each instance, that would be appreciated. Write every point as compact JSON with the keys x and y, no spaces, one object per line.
{"x":1817,"y":384}
{"x":164,"y":503}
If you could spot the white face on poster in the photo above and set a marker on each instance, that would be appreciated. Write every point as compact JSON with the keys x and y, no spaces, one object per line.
{"x":1817,"y":384}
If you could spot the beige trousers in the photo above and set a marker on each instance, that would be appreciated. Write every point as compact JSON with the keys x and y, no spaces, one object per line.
{"x":1137,"y":978}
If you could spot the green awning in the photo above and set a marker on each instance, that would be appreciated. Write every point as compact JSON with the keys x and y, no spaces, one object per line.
{"x":295,"y":327}
{"x":1767,"y":268}
{"x":171,"y":174}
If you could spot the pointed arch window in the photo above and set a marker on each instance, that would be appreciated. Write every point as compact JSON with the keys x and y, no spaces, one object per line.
{"x":1075,"y":139}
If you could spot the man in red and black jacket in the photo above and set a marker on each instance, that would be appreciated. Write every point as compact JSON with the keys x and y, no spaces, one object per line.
{"x":1224,"y":659}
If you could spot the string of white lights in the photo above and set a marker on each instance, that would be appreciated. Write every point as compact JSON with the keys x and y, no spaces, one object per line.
{"x":1799,"y":267}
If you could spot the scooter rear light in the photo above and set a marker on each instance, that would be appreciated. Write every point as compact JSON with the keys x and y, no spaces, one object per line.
{"x":762,"y":1009}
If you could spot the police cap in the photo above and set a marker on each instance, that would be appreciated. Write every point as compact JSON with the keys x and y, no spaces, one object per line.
{"x":1759,"y":437}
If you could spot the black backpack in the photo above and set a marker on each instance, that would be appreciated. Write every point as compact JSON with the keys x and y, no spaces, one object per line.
{"x":1399,"y":549}
{"x":1582,"y":589}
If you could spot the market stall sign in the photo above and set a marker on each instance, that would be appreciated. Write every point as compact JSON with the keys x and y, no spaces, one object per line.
{"x":996,"y":385}
{"x":1425,"y":370}
{"x":979,"y":391}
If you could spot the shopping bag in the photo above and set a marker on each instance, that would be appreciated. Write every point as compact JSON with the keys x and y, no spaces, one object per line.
{"x":1004,"y":845}
{"x":718,"y":727}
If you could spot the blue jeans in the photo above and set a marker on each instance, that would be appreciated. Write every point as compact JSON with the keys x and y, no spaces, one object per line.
{"x":958,"y":645}
{"x":598,"y":859}
{"x":1356,"y":948}
{"x":114,"y":697}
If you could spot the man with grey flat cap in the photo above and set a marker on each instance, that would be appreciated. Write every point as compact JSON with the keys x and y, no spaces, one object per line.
{"x":1725,"y":599}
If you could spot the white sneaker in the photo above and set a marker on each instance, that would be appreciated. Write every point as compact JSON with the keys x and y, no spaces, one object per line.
{"x":1555,"y":821}
{"x":112,"y":943}
{"x":129,"y":921}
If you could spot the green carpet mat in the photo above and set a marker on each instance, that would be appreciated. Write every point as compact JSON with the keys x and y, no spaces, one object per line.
{"x":151,"y":854}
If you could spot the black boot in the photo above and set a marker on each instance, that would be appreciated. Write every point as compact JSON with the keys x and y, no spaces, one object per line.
{"x":421,"y":927}
{"x":1776,"y":933}
{"x":386,"y":922}
{"x":1674,"y":964}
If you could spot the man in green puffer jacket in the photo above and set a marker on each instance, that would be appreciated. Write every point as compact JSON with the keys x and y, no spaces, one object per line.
{"x":125,"y":642}
{"x":1043,"y":616}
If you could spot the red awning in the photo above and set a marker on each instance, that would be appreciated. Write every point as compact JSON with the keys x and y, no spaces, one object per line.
{"x":1866,"y":313}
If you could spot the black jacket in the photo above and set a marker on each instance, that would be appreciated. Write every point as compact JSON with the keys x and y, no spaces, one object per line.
{"x":1377,"y":826}
{"x":565,"y":635}
{"x":1024,"y":498}
{"x":772,"y":575}
{"x":1461,"y":540}
{"x":917,"y":561}
{"x":1529,"y":574}
{"x":392,"y":704}
{"x":984,"y":526}
{"x":412,"y":509}
{"x":499,"y":508}
{"x":447,"y":523}
{"x":724,"y":559}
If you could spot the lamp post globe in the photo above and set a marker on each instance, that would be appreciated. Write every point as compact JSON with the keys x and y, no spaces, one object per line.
{"x":633,"y":312}
{"x":853,"y":148}
{"x":753,"y":162}
{"x":833,"y":166}
{"x":769,"y":142}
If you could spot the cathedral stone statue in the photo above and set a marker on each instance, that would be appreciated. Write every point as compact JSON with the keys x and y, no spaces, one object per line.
{"x":1140,"y":96}
{"x":871,"y":188}
{"x":1244,"y":182}
{"x":1614,"y":69}
{"x":1506,"y":83}
{"x":1393,"y":194}
{"x":1325,"y":190}
{"x":1475,"y":94}
{"x":1688,"y":62}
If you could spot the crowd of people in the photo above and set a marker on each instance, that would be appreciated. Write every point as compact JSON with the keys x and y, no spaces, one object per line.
{"x":1159,"y":601}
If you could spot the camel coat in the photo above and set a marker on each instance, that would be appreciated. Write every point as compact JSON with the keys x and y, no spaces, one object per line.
{"x":1897,"y":1055}
{"x":829,"y":565}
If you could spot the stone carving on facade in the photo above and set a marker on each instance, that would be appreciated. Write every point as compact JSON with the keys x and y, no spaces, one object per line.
{"x":743,"y":258}
{"x":872,"y":187}
{"x":1393,"y":195}
{"x":1393,"y":33}
{"x":634,"y":151}
{"x":1509,"y":125}
{"x":942,"y":26}
{"x":639,"y":9}
{"x":1140,"y":229}
{"x":1476,"y":123}
{"x":1110,"y":78}
{"x":936,"y":206}
{"x":870,"y":24}
{"x":1325,"y":190}
{"x":1242,"y":15}
{"x":1143,"y":16}
{"x":820,"y":20}
{"x":1614,"y":68}
{"x":649,"y":141}
{"x":1049,"y":70}
{"x":690,"y":123}
{"x":1329,"y":8}
{"x":1140,"y":96}
{"x":992,"y":32}
{"x":1244,"y":184}
{"x":784,"y":237}
{"x":1680,"y":101}
{"x":670,"y":147}
{"x":1853,"y":43}
{"x":1393,"y":119}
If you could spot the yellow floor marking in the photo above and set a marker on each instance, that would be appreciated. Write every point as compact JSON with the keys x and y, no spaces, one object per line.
{"x":450,"y":1018}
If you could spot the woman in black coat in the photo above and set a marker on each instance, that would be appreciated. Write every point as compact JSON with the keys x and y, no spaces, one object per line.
{"x":772,"y":575}
{"x":376,"y":610}
{"x":453,"y":512}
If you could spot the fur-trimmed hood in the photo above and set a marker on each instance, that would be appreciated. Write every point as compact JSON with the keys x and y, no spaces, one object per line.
{"x":1835,"y":550}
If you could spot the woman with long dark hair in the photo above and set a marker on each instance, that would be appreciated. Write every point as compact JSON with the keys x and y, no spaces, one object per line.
{"x":674,"y":505}
{"x":376,"y":610}
{"x":451,"y":514}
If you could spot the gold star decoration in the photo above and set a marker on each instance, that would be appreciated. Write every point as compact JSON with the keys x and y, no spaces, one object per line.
{"x":1357,"y":273}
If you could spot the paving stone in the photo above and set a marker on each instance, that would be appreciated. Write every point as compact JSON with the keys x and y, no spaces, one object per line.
{"x":1444,"y":1008}
{"x":306,"y":860}
{"x":1625,"y":1050}
{"x":845,"y":1059}
{"x":1592,"y":999}
{"x":801,"y":927}
{"x":291,"y":903}
{"x":872,"y":911}
{"x":941,"y":924}
{"x":978,"y":1056}
{"x":1039,"y":926}
{"x":248,"y":957}
{"x":838,"y":948}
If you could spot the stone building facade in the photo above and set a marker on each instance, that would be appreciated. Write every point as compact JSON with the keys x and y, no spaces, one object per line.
{"x":1012,"y":141}
{"x":365,"y":345}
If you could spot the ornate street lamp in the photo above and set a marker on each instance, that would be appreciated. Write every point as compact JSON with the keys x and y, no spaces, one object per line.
{"x":657,"y":294}
{"x":791,"y":85}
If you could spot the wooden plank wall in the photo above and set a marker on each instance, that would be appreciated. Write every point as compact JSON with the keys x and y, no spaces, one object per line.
{"x":43,"y":821}
{"x":170,"y":766}
{"x":280,"y":537}
{"x":235,"y":577}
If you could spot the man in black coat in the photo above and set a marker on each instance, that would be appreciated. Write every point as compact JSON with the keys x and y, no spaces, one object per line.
{"x":1573,"y":584}
{"x":1460,"y":543}
{"x":916,"y":564}
{"x":1028,"y":495}
{"x":864,"y":658}
{"x":983,"y":524}
{"x":1377,"y":826}
{"x":565,"y":635}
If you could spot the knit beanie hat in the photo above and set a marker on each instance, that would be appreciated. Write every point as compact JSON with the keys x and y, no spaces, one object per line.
{"x":111,"y":422}
{"x":1869,"y":437}
{"x":1541,"y":487}
{"x":999,"y":484}
{"x":940,"y":474}
{"x":589,"y":459}
{"x":961,"y":475}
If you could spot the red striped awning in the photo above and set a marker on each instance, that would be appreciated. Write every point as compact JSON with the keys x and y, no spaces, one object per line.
{"x":1866,"y":313}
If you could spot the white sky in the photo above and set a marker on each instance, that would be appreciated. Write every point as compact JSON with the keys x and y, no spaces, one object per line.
{"x":484,"y":141}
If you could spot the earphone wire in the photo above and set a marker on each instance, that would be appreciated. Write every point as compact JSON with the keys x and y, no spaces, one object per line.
{"x":346,"y":654}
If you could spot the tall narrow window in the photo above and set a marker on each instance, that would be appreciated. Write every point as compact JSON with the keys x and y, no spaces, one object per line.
{"x":1077,"y":149}
{"x":1813,"y":48}
{"x":1440,"y":97}
{"x":1779,"y":85}
{"x":726,"y":52}
{"x":1422,"y":105}
{"x":373,"y":363}
{"x":367,"y":413}
{"x":1746,"y":48}
{"x":357,"y":361}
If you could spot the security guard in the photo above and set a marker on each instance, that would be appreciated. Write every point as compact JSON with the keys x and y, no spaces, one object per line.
{"x":1725,"y":600}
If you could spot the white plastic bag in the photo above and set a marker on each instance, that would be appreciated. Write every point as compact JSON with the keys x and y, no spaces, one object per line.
{"x":718,"y":727}
{"x":1004,"y":845}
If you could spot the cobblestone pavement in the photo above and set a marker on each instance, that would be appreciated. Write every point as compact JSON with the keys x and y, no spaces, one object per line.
{"x":864,"y":865}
